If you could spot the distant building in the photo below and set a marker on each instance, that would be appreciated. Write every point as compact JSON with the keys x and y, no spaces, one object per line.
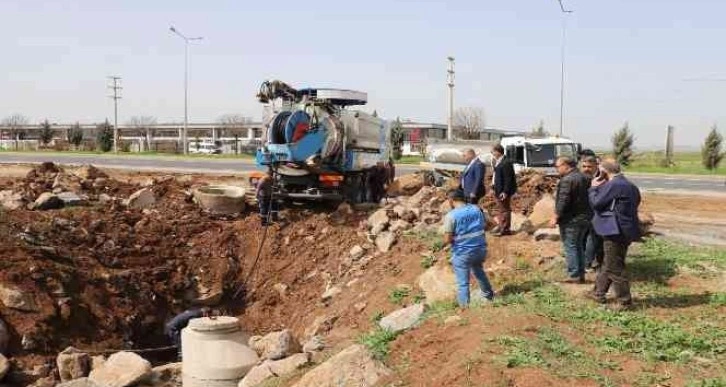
{"x":417,"y":134}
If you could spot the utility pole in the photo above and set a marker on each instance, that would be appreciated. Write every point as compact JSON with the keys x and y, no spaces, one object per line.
{"x":669,"y":145}
{"x":450,"y":83}
{"x":186,"y":83}
{"x":116,"y":88}
{"x":565,"y":12}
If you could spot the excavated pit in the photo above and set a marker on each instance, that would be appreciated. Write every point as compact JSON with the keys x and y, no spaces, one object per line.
{"x":107,"y":277}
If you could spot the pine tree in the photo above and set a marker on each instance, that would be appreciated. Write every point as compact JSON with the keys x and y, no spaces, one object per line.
{"x":623,"y":145}
{"x":46,"y":132}
{"x":104,"y":136}
{"x":75,"y":135}
{"x":711,"y":150}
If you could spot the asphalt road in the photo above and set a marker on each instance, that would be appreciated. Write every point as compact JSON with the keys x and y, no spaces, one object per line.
{"x":234,"y":166}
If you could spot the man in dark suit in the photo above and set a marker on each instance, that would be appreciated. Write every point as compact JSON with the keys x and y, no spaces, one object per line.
{"x":615,"y":201}
{"x":472,"y":178}
{"x":572,"y":214}
{"x":505,"y":186}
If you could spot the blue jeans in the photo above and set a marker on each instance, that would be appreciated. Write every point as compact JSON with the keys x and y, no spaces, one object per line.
{"x":464,"y":264}
{"x":573,"y":236}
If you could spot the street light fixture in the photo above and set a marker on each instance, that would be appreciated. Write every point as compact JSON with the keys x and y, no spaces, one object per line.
{"x":562,"y":62}
{"x":186,"y":83}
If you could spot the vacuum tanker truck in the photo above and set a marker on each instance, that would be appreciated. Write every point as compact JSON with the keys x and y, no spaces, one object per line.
{"x":316,"y":146}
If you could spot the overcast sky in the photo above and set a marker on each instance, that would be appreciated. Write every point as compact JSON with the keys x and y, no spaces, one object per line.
{"x":648,"y":62}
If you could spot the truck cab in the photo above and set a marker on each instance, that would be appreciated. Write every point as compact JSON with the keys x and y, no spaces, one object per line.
{"x":538,"y":154}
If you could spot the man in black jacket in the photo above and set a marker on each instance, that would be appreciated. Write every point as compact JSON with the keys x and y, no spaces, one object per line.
{"x":505,"y":186}
{"x":573,"y":215}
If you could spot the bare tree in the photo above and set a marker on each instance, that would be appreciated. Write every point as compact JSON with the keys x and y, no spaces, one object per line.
{"x":234,"y":122}
{"x":142,"y":127}
{"x":539,"y":131}
{"x":14,"y":124}
{"x":468,"y":122}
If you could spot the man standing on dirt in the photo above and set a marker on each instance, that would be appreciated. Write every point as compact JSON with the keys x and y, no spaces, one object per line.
{"x":505,"y":186}
{"x":615,"y":201}
{"x":593,"y":242}
{"x":572,"y":214}
{"x":268,"y":208}
{"x":472,"y":178}
{"x":464,"y":231}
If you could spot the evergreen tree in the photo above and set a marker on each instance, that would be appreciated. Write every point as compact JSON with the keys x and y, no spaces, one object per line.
{"x":711,"y":150}
{"x":104,"y":136}
{"x":46,"y":132}
{"x":75,"y":135}
{"x":623,"y":145}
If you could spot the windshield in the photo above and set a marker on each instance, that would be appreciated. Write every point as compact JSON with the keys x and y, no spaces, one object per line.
{"x":545,"y":155}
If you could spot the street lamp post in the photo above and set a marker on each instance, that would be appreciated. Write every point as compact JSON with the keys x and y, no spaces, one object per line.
{"x":562,"y":66}
{"x":186,"y":84}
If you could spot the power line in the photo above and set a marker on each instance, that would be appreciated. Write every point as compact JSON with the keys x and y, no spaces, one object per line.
{"x":116,"y":96}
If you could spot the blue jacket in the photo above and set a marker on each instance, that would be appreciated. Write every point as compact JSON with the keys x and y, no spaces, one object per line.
{"x":472,"y":179}
{"x":616,"y":208}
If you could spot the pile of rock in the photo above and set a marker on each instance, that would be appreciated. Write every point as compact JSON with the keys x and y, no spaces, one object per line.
{"x":421,"y":212}
{"x":280,"y":354}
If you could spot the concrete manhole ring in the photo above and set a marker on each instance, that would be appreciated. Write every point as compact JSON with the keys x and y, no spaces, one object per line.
{"x":221,"y":199}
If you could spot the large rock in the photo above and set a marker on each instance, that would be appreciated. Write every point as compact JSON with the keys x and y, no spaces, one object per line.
{"x":10,"y":200}
{"x":72,"y":364}
{"x":549,"y":234}
{"x":47,"y":201}
{"x":385,"y":240}
{"x":12,"y":297}
{"x":141,"y":199}
{"x":4,"y":366}
{"x":276,"y":345}
{"x":423,"y":194}
{"x":542,"y":212}
{"x":270,"y":369}
{"x":403,"y":319}
{"x":70,"y":199}
{"x":400,"y":225}
{"x":520,"y":223}
{"x":4,"y":337}
{"x":357,"y":253}
{"x":315,"y":344}
{"x":166,"y":375}
{"x":89,"y":172}
{"x":120,"y":370}
{"x":438,"y":283}
{"x":378,"y":221}
{"x":82,"y":382}
{"x":406,"y":185}
{"x":354,"y":366}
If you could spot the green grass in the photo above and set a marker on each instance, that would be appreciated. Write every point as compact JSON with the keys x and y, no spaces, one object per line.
{"x":428,"y":261}
{"x":552,"y":351}
{"x":396,"y":296}
{"x":715,"y":382}
{"x":687,"y":163}
{"x":410,"y":160}
{"x":629,"y":332}
{"x":377,"y":341}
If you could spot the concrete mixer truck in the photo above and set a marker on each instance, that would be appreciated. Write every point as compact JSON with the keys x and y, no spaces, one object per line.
{"x":316,"y":147}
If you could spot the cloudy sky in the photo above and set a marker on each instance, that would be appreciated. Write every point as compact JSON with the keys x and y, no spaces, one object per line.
{"x":651,"y":63}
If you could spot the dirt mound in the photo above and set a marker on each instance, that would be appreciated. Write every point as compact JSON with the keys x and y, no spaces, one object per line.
{"x":88,"y":182}
{"x":531,"y":186}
